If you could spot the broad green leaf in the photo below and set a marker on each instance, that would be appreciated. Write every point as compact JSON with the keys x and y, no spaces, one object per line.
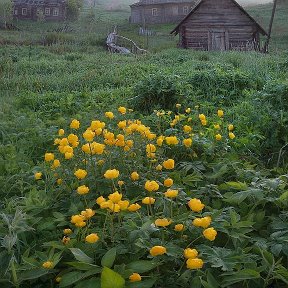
{"x":143,"y":284}
{"x":83,"y":266}
{"x":284,"y":197}
{"x":110,"y":279}
{"x":80,"y":255}
{"x":234,"y":185}
{"x":268,"y":257}
{"x":239,"y":276}
{"x":71,"y":278}
{"x":33,"y":273}
{"x":212,"y":281}
{"x":142,"y":266}
{"x":109,"y":258}
{"x":89,"y":283}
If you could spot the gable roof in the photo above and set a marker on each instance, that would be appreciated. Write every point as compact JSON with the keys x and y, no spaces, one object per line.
{"x":196,"y":6}
{"x":161,"y":2}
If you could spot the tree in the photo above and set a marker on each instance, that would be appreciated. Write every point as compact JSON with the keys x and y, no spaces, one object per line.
{"x":6,"y":11}
{"x":73,"y":9}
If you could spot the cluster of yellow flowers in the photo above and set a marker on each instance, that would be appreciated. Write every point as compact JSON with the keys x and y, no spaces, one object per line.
{"x":79,"y":219}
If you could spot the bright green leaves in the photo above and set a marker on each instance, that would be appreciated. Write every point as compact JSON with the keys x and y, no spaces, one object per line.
{"x":109,"y":258}
{"x":81,"y":256}
{"x":110,"y":278}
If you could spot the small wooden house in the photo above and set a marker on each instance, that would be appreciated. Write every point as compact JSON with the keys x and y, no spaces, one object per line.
{"x":160,"y":11}
{"x":219,"y":25}
{"x":54,"y":10}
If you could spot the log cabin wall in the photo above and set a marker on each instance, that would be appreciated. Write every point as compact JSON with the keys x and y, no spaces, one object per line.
{"x":219,"y":25}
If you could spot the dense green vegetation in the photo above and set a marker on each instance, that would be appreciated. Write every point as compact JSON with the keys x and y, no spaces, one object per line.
{"x":48,"y":78}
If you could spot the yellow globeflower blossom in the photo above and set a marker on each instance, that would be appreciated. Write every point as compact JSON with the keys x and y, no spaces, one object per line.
{"x":202,"y":222}
{"x":47,"y":265}
{"x":196,"y":205}
{"x":61,"y":132}
{"x":218,"y":137}
{"x":195,"y":263}
{"x":75,"y":124}
{"x":150,"y":148}
{"x":230,"y":127}
{"x":92,"y":238}
{"x":179,"y":227}
{"x":120,"y":183}
{"x":148,"y":200}
{"x":169,"y":164}
{"x":86,"y":148}
{"x":100,"y":162}
{"x":171,"y":193}
{"x":159,"y":167}
{"x":68,"y":155}
{"x":220,"y":113}
{"x":88,"y":213}
{"x":100,"y":200}
{"x":72,"y":138}
{"x":115,"y":197}
{"x":67,"y":231}
{"x":80,"y":173}
{"x":151,"y":186}
{"x":58,"y":279}
{"x":49,"y":157}
{"x":162,"y":222}
{"x":190,"y":253}
{"x":135,"y":277}
{"x":157,"y":250}
{"x":187,"y":142}
{"x":122,"y":124}
{"x":109,"y":115}
{"x":187,"y":129}
{"x":59,"y":181}
{"x":134,"y":207}
{"x":134,"y":176}
{"x":188,"y":110}
{"x":66,"y":240}
{"x":97,"y":148}
{"x":89,"y":135}
{"x":123,"y":204}
{"x":202,"y":117}
{"x":178,"y":105}
{"x":171,"y":140}
{"x":168,"y":182}
{"x":82,"y":190}
{"x":96,"y":124}
{"x":210,"y":233}
{"x":111,"y":174}
{"x":231,"y":135}
{"x":56,"y":164}
{"x":217,"y":126}
{"x":37,"y":175}
{"x":160,"y":140}
{"x":122,"y":110}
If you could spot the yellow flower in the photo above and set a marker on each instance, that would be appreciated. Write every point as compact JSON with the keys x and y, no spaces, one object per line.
{"x":217,"y":126}
{"x":171,"y":193}
{"x":168,"y":182}
{"x":150,"y":148}
{"x":56,"y":163}
{"x":88,"y":135}
{"x":88,"y":213}
{"x":96,"y":124}
{"x":72,"y":138}
{"x":178,"y":105}
{"x":49,"y":157}
{"x":159,"y":167}
{"x":202,"y":222}
{"x":122,"y":110}
{"x":134,"y":176}
{"x":68,"y":155}
{"x":187,"y":142}
{"x":65,"y":240}
{"x":111,"y":174}
{"x":134,"y":207}
{"x":38,"y":175}
{"x":169,"y":164}
{"x":172,"y":140}
{"x":92,"y":238}
{"x":179,"y":227}
{"x":190,"y":253}
{"x":157,"y":250}
{"x":100,"y":162}
{"x":220,"y":113}
{"x":148,"y":200}
{"x":210,"y":233}
{"x":61,"y":132}
{"x":187,"y":129}
{"x":114,"y":207}
{"x":47,"y":265}
{"x":75,"y":124}
{"x":231,"y":135}
{"x":123,"y":204}
{"x":59,"y":181}
{"x":67,"y":231}
{"x":77,"y":218}
{"x":162,"y":222}
{"x":204,"y":122}
{"x":218,"y":137}
{"x":122,"y":124}
{"x":151,"y":186}
{"x":100,"y":200}
{"x":120,"y":183}
{"x":109,"y":115}
{"x":135,"y":277}
{"x":195,"y":263}
{"x":115,"y":197}
{"x":196,"y":205}
{"x":97,"y":148}
{"x":202,"y":117}
{"x":82,"y":190}
{"x":160,"y":140}
{"x":230,"y":127}
{"x":58,"y":279}
{"x":80,"y":173}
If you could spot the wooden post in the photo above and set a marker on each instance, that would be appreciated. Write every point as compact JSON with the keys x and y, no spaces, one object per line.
{"x":265,"y":48}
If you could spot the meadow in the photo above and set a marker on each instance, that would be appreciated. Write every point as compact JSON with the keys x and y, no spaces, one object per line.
{"x":167,"y":169}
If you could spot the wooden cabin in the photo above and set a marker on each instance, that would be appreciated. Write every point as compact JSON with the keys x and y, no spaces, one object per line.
{"x":54,"y":10}
{"x":219,"y":25}
{"x":160,"y":11}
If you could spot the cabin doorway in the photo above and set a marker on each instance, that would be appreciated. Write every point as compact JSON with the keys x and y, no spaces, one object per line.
{"x":218,"y":40}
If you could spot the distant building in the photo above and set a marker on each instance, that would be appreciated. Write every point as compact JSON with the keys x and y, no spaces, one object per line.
{"x":53,"y":10}
{"x":219,"y":25}
{"x":160,"y":11}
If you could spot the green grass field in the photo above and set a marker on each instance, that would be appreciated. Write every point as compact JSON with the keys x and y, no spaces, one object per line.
{"x":236,"y":164}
